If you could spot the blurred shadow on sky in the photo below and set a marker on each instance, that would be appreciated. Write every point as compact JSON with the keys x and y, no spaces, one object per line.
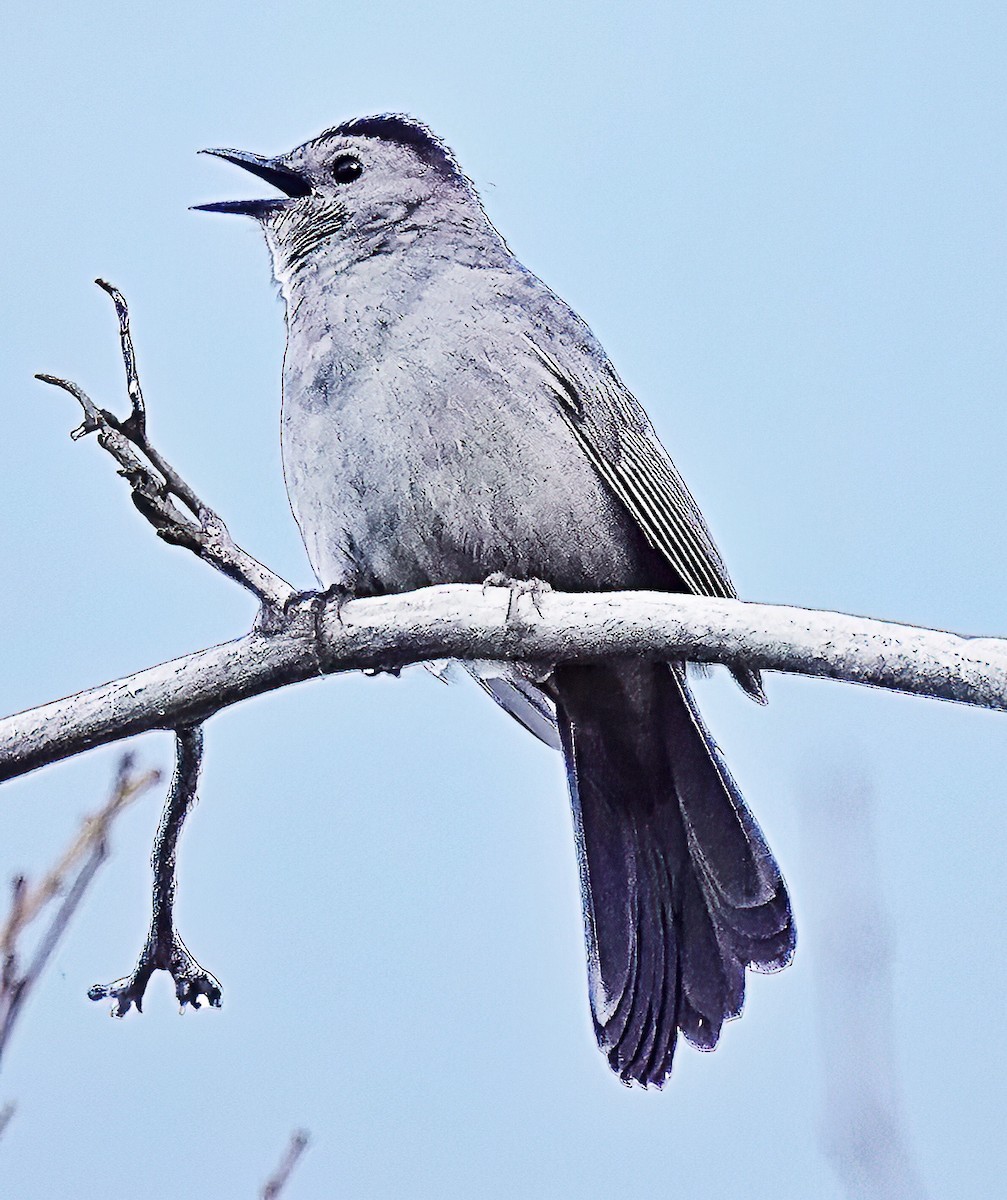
{"x":863,"y":1132}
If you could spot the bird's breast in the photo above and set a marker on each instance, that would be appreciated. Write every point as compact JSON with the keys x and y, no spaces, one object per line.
{"x":419,"y":447}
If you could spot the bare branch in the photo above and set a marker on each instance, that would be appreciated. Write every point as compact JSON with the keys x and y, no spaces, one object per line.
{"x":135,"y":425}
{"x":305,"y":636}
{"x":295,"y":1148}
{"x":138,"y":416}
{"x":91,"y":846}
{"x":154,"y":482}
{"x":466,"y":622}
{"x":164,"y":950}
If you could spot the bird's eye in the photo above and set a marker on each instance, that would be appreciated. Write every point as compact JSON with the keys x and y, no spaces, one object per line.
{"x":346,"y":168}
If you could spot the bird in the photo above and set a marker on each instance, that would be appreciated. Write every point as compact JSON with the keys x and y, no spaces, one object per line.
{"x":447,"y":418}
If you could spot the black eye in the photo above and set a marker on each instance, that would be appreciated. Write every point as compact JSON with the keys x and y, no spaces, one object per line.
{"x":346,"y":168}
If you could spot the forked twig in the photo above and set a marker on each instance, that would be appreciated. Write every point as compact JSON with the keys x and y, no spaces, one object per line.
{"x":156,"y":485}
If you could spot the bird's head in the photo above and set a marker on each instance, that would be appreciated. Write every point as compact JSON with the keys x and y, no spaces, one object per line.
{"x":349,"y":191}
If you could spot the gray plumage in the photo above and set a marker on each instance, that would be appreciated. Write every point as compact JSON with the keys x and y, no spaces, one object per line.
{"x":447,"y":417}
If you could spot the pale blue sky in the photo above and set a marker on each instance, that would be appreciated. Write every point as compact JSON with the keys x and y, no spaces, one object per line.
{"x":785,"y":222}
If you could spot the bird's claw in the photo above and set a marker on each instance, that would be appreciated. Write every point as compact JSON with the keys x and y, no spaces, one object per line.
{"x":336,"y":593}
{"x":534,"y":589}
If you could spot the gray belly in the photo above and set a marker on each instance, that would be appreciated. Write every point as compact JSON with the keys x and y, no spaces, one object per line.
{"x":400,"y":477}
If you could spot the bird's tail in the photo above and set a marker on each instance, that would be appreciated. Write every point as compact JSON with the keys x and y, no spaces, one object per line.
{"x":680,"y":890}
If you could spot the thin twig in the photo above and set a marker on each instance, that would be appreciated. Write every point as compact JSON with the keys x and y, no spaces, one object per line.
{"x":296,"y":1147}
{"x":28,"y":902}
{"x":91,"y":846}
{"x":135,"y":425}
{"x":139,"y":413}
{"x":6,"y":1113}
{"x":154,"y":481}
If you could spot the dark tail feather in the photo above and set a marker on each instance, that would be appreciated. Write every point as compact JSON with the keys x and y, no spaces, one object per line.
{"x":680,"y":890}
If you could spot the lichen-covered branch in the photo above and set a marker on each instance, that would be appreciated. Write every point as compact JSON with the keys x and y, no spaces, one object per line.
{"x":469,"y":622}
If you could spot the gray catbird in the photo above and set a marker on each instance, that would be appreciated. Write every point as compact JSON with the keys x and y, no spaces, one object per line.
{"x":447,"y":418}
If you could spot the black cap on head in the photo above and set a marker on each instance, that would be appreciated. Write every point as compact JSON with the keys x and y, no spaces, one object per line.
{"x":407,"y":131}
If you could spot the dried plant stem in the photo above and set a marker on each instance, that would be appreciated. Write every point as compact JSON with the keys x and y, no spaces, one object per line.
{"x":89,"y":849}
{"x":295,"y":1148}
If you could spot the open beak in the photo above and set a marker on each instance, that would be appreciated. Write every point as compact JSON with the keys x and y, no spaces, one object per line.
{"x":290,"y":182}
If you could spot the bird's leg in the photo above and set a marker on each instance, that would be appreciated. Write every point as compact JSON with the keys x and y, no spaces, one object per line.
{"x":164,"y":950}
{"x":535,"y":589}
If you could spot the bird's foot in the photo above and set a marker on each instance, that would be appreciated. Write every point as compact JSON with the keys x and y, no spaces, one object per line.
{"x":534,"y":589}
{"x":192,"y":982}
{"x":338,"y":595}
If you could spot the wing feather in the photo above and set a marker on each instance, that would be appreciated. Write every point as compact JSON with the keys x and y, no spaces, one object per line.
{"x":616,"y":438}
